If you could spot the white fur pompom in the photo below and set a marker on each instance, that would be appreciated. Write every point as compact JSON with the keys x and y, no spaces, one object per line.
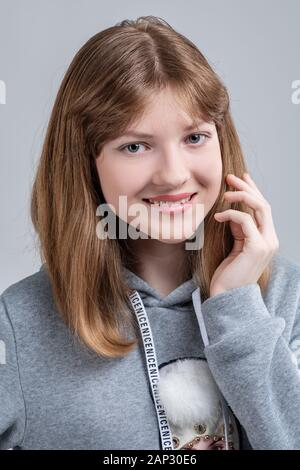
{"x":189,"y":393}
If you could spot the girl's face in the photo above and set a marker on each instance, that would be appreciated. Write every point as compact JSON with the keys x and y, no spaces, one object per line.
{"x":172,"y":159}
{"x":207,"y":444}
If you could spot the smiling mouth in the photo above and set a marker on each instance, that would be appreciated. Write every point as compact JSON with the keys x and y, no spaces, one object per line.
{"x":169,"y":203}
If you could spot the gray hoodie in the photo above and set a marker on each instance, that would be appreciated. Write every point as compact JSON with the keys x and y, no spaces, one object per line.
{"x":57,"y":394}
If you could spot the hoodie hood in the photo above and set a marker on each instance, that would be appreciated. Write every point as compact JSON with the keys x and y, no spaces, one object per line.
{"x":180,"y":296}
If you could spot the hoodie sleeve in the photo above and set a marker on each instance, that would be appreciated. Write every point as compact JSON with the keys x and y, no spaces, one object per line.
{"x":12,"y":409}
{"x":254,"y":366}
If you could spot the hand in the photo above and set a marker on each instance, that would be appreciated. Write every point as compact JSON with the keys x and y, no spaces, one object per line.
{"x":255,"y":241}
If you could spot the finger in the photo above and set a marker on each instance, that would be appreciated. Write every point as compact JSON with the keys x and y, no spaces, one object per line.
{"x":250,"y":181}
{"x":244,"y":219}
{"x":261,"y":211}
{"x":238,"y":183}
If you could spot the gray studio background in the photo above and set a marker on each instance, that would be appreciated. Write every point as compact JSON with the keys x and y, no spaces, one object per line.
{"x":253,"y":45}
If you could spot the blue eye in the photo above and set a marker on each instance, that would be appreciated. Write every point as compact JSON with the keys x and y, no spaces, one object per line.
{"x":135,"y":144}
{"x":203,"y":135}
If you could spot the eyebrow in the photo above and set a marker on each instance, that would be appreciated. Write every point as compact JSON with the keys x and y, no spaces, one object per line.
{"x":149,"y":136}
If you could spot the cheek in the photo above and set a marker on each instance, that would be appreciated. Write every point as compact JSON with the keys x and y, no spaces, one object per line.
{"x":208,"y":170}
{"x":117,"y":178}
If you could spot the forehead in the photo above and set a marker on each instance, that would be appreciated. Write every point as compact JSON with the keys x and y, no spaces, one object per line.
{"x":163,"y":111}
{"x":177,"y":108}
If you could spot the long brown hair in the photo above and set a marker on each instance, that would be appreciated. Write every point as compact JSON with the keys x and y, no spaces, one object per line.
{"x":107,"y":87}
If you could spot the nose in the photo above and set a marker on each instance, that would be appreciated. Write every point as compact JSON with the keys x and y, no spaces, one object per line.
{"x":172,"y":170}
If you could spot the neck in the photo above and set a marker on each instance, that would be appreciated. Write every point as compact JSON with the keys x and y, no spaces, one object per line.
{"x":163,"y":266}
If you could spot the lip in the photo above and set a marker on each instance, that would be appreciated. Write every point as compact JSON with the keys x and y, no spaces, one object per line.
{"x":170,"y":197}
{"x":173,"y":209}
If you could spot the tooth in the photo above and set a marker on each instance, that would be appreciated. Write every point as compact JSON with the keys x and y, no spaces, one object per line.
{"x":170,"y":203}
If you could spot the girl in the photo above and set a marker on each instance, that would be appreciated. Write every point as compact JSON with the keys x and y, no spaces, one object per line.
{"x":149,"y":340}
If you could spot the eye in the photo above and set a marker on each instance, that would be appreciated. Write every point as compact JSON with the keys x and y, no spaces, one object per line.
{"x":134,"y":144}
{"x":218,"y":445}
{"x":137,"y":144}
{"x":203,"y":135}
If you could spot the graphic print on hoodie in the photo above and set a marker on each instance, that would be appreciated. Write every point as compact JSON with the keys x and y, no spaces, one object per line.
{"x":192,"y":403}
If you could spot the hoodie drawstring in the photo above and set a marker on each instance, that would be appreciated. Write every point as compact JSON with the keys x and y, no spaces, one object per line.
{"x":152,"y":367}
